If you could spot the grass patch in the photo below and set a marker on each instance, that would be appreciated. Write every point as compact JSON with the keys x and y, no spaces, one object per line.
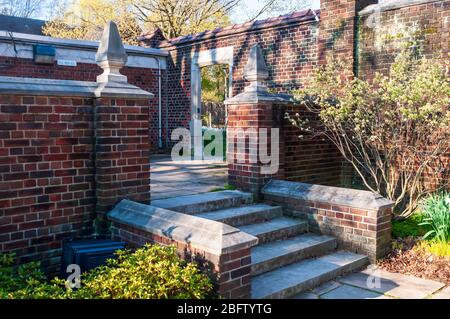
{"x":408,"y":227}
{"x":437,"y":248}
{"x":226,"y":187}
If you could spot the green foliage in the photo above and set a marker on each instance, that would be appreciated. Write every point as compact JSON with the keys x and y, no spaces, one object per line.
{"x":150,"y":272}
{"x":437,"y":248}
{"x":85,"y":19}
{"x":408,"y":227}
{"x":226,"y":187}
{"x":223,"y":145}
{"x":24,"y":280}
{"x":437,"y":216}
{"x":393,"y":130}
{"x":214,"y":83}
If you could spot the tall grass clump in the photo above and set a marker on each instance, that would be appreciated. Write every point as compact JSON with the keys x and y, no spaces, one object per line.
{"x":437,"y":217}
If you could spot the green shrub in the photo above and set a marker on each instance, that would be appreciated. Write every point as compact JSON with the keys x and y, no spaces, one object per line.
{"x":152,"y":271}
{"x":25,"y":277}
{"x":408,"y":227}
{"x":437,"y":216}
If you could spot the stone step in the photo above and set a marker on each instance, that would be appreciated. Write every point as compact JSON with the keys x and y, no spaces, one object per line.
{"x":199,"y":203}
{"x":290,"y":280}
{"x":276,"y":229}
{"x":277,"y":254}
{"x":244,"y":215}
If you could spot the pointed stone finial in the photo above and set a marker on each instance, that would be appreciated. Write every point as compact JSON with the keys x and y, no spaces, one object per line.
{"x":256,"y":69}
{"x":111,"y":55}
{"x":256,"y":72}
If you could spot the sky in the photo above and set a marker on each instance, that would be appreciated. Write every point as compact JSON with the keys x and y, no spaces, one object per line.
{"x":248,"y":8}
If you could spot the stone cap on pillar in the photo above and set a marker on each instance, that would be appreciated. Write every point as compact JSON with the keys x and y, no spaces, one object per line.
{"x":256,"y":72}
{"x":111,"y":57}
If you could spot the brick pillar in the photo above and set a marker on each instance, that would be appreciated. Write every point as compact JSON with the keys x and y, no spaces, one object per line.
{"x":246,"y":122}
{"x":252,"y":115}
{"x":122,"y":136}
{"x":122,"y":154}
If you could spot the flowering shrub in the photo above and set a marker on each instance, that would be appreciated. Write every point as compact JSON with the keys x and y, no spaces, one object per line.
{"x":394,"y":131}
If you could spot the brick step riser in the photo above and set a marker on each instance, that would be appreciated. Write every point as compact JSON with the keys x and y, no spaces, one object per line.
{"x":281,"y":234}
{"x":317,"y":281}
{"x":317,"y":250}
{"x":253,"y":218}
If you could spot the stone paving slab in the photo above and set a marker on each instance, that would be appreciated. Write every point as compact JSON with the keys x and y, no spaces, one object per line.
{"x":393,"y":284}
{"x":443,"y":294}
{"x":326,"y":287}
{"x":350,"y":292}
{"x":179,"y":178}
{"x":305,"y":295}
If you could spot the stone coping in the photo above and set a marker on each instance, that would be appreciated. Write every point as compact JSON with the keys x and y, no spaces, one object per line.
{"x":327,"y":194}
{"x":76,"y":44}
{"x":392,"y":5}
{"x":200,"y":233}
{"x":51,"y":87}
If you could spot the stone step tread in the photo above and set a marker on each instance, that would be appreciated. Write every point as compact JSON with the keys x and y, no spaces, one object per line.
{"x":222,"y":214}
{"x":276,"y":224}
{"x":281,"y":248}
{"x":307,"y":274}
{"x":201,"y":199}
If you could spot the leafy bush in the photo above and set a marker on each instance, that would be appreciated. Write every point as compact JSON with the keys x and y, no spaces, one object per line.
{"x":437,"y":216}
{"x":408,"y":227}
{"x":152,"y":271}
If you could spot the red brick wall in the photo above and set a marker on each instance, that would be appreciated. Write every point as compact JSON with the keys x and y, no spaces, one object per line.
{"x":246,"y":174}
{"x":122,"y":152}
{"x":146,"y":79}
{"x":63,"y":161}
{"x":309,"y":160}
{"x":46,"y":174}
{"x":289,"y":51}
{"x":428,"y":24}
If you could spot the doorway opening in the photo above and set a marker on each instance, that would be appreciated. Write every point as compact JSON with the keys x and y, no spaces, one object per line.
{"x":215,"y":88}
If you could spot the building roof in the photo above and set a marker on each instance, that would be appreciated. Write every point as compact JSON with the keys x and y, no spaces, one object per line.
{"x":294,"y":17}
{"x":21,"y":25}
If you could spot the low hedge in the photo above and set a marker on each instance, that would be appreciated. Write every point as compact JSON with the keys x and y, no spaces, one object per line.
{"x":151,"y":272}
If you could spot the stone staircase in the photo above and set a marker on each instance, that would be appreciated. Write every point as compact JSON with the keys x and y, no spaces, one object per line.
{"x":287,"y":259}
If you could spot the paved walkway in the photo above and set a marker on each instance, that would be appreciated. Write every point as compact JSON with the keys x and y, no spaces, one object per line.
{"x":171,"y":179}
{"x":374,"y":283}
